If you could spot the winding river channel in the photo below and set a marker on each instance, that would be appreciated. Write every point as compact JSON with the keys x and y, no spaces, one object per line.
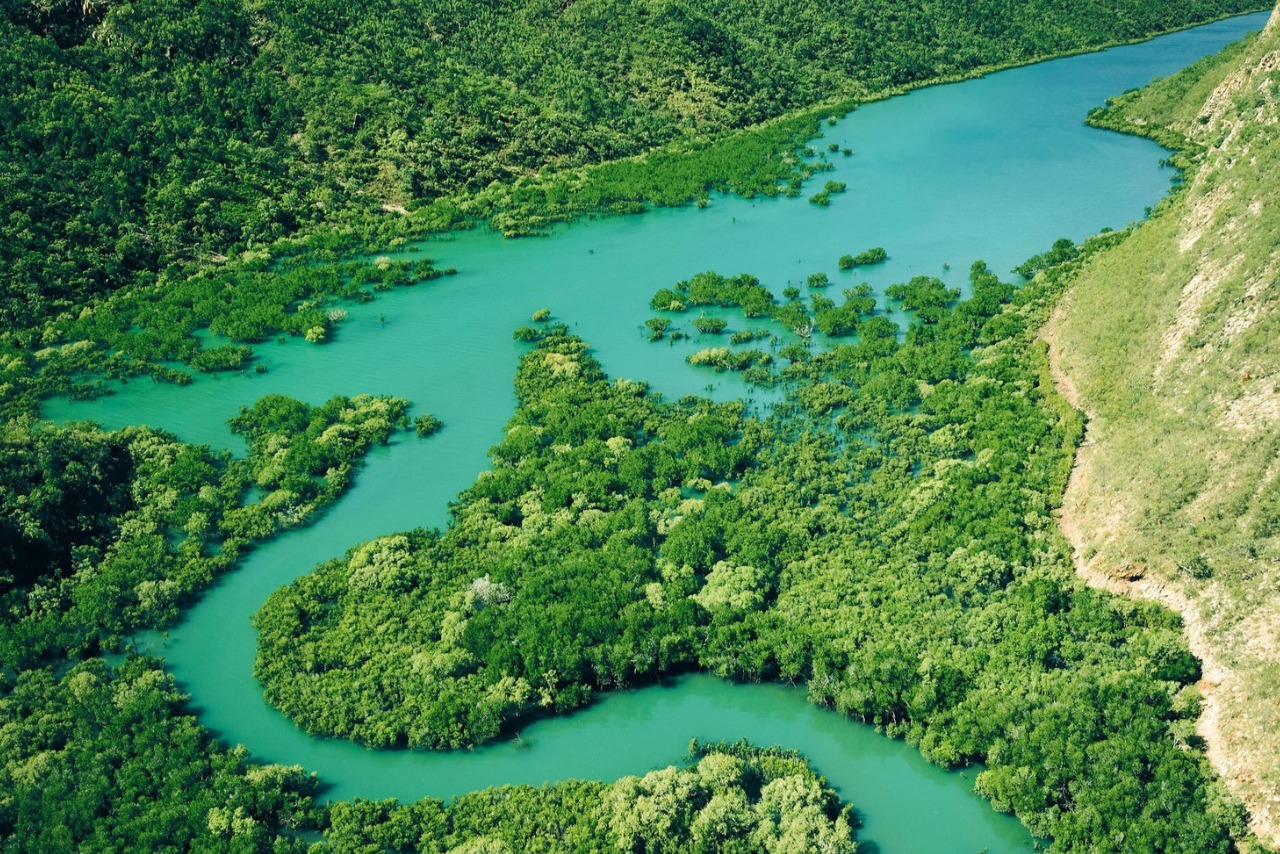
{"x":995,"y":168}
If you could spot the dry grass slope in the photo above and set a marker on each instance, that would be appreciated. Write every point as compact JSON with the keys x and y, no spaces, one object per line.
{"x":1170,"y":342}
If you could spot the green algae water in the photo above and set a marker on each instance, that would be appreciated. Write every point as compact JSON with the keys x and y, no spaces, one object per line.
{"x":993,"y":169}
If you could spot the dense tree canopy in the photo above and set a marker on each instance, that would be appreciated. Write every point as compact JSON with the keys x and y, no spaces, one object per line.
{"x":110,"y":532}
{"x":141,"y":134}
{"x":884,"y":537}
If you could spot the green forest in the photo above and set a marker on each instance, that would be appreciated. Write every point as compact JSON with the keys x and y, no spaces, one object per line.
{"x":156,"y":148}
{"x":884,"y":536}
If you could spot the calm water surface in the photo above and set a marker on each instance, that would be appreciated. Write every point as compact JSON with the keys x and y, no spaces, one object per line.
{"x":993,"y":169}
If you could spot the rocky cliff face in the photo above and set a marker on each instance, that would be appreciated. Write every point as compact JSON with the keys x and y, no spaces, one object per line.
{"x":1171,"y":343}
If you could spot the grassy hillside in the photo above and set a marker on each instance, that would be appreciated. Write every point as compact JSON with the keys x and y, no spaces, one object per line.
{"x":1169,"y":343}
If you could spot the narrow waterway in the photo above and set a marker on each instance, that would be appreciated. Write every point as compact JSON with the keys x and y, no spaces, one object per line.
{"x":994,"y":169}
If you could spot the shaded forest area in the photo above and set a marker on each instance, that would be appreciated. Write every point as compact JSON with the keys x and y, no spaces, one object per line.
{"x":161,"y":163}
{"x":139,"y":137}
{"x":885,"y":536}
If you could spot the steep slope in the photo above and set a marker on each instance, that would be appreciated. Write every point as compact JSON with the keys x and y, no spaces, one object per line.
{"x":138,"y":135}
{"x":1169,"y":343}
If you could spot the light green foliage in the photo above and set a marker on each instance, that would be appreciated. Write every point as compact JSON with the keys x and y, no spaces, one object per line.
{"x":746,"y":336}
{"x":710,"y":325}
{"x":710,"y":288}
{"x":837,"y":321}
{"x":831,"y":188}
{"x":727,"y":359}
{"x":1063,"y":250}
{"x":734,"y":588}
{"x":427,"y":425}
{"x":731,"y":797}
{"x":229,"y":358}
{"x":870,"y":256}
{"x":926,"y":296}
{"x":135,"y":331}
{"x":658,"y":327}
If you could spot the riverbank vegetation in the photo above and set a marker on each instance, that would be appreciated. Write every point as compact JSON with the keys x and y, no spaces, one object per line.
{"x":107,"y":533}
{"x":735,"y":798}
{"x":211,"y":130}
{"x":885,"y":537}
{"x":871,"y":256}
{"x":170,"y":168}
{"x":209,"y":133}
{"x":1176,"y":496}
{"x":109,"y":759}
{"x":543,"y":589}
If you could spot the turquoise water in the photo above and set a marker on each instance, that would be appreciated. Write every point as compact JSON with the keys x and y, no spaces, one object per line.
{"x":995,"y":168}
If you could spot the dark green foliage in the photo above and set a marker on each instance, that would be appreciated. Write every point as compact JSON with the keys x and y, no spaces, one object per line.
{"x":844,"y":319}
{"x":796,"y":353}
{"x":746,"y":336}
{"x":710,"y":325}
{"x":928,"y":297}
{"x":863,"y":259}
{"x":117,"y":530}
{"x":209,"y":131}
{"x":427,"y":425}
{"x":229,"y":358}
{"x":211,"y":127}
{"x":743,"y":291}
{"x":1063,"y":250}
{"x":304,"y":454}
{"x":135,"y":330}
{"x":711,"y":288}
{"x":657,"y":327}
{"x":106,"y":759}
{"x":247,"y":302}
{"x":668,"y":300}
{"x":886,"y":537}
{"x":548,"y":584}
{"x":794,"y":316}
{"x":64,"y":491}
{"x":528,"y":334}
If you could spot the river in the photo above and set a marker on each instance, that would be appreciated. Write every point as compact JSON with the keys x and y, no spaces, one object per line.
{"x":995,"y":168}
